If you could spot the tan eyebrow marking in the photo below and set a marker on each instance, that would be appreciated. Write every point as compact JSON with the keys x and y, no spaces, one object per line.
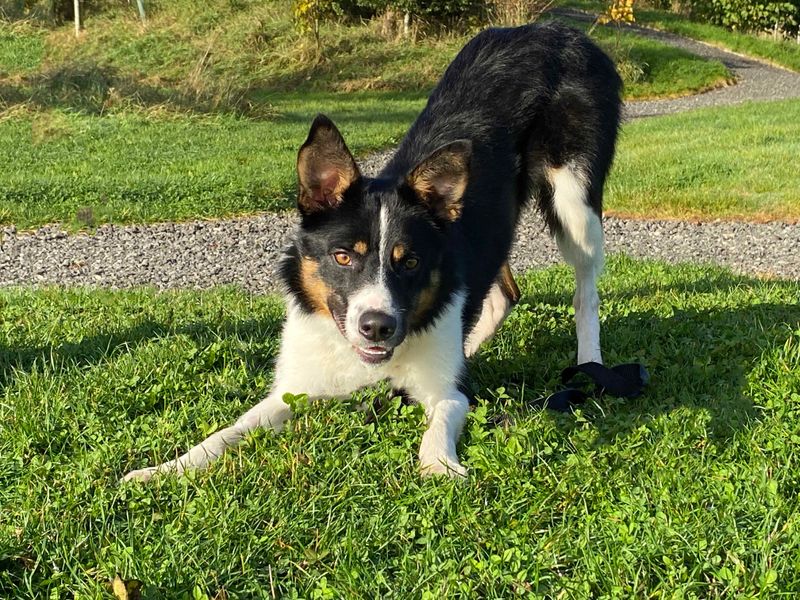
{"x":360,"y":247}
{"x":398,"y":252}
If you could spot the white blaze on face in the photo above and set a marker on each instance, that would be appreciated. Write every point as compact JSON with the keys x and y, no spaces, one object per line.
{"x":376,"y":295}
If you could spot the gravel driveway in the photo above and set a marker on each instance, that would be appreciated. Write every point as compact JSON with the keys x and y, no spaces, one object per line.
{"x":755,"y":80}
{"x":244,"y":251}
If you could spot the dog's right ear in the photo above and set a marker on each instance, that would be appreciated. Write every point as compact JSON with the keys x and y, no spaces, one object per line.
{"x":441,"y":179}
{"x":325,"y":168}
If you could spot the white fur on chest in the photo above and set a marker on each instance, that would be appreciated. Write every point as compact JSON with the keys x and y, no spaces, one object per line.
{"x":316,"y":359}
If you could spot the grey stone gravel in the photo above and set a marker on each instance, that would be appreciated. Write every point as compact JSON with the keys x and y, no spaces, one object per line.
{"x":244,"y":251}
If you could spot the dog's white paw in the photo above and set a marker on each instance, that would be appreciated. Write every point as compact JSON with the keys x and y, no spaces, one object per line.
{"x":141,"y":474}
{"x":443,"y":466}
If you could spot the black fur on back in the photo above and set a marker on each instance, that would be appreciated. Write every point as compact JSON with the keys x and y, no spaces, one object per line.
{"x":528,"y":98}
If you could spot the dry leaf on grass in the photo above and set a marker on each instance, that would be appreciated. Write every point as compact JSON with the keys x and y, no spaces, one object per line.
{"x":126,"y":590}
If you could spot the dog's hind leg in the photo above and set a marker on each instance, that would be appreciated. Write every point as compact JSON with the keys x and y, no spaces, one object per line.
{"x":502,"y":297}
{"x":579,"y":234}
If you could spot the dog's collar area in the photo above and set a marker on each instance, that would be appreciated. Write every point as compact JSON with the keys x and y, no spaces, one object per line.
{"x":623,"y":381}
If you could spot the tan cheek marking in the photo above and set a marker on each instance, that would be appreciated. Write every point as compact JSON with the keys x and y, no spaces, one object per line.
{"x":315,"y":289}
{"x":398,"y":252}
{"x":360,"y":247}
{"x":426,"y":299}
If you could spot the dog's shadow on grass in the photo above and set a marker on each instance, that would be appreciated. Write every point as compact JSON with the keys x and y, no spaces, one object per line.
{"x":699,"y":356}
{"x":105,"y":345}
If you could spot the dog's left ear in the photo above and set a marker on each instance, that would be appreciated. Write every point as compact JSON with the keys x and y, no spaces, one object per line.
{"x":441,"y":179}
{"x":325,"y":168}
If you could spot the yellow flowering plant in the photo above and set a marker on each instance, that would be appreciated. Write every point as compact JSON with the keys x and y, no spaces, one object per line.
{"x":619,"y":11}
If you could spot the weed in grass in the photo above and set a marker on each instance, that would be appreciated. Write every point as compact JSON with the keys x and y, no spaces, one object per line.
{"x":690,"y":490}
{"x":85,"y":217}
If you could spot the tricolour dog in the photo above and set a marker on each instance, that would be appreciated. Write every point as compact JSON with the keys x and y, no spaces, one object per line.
{"x":402,"y":276}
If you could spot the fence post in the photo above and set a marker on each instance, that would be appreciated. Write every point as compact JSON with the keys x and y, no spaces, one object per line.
{"x":77,"y":8}
{"x":140,"y":4}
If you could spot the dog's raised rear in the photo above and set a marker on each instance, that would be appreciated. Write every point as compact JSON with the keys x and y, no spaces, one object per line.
{"x":541,"y":104}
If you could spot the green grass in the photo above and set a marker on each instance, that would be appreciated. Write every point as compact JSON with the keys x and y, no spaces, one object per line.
{"x":781,"y":52}
{"x":190,"y":57}
{"x":690,"y":491}
{"x":651,"y":69}
{"x":84,"y":170}
{"x":21,"y":49}
{"x":667,"y":167}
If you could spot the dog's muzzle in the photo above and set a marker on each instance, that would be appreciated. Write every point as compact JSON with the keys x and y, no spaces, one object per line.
{"x":376,"y":330}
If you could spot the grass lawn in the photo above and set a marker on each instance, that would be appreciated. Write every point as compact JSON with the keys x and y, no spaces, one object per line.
{"x":85,"y":170}
{"x":781,"y":52}
{"x":689,"y":491}
{"x":738,"y":162}
{"x":133,"y":124}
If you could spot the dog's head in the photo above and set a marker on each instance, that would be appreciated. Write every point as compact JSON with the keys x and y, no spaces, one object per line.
{"x":372,"y":254}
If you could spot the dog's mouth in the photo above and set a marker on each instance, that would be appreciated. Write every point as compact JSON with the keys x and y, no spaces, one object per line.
{"x":374,"y":355}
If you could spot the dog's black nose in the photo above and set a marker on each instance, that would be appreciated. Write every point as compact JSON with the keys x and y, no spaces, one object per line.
{"x":376,"y":326}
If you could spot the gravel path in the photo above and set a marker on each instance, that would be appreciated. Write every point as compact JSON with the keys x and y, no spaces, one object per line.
{"x":244,"y":251}
{"x":755,"y":80}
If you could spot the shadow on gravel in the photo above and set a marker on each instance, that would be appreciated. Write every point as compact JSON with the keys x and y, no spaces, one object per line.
{"x":698,"y":358}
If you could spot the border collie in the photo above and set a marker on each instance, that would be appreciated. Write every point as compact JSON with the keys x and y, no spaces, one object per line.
{"x":404,"y":275}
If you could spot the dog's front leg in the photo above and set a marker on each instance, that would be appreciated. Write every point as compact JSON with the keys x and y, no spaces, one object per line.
{"x":437,"y":452}
{"x":430,"y":368}
{"x":270,"y":413}
{"x":313,"y":359}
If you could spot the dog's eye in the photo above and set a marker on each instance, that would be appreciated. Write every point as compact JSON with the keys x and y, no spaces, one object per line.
{"x":411,"y":263}
{"x":342,"y":259}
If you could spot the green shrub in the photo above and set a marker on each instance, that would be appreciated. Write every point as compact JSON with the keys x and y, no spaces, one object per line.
{"x":782,"y":16}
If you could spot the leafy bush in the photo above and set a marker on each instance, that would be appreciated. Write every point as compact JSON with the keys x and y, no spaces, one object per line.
{"x":780,"y":16}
